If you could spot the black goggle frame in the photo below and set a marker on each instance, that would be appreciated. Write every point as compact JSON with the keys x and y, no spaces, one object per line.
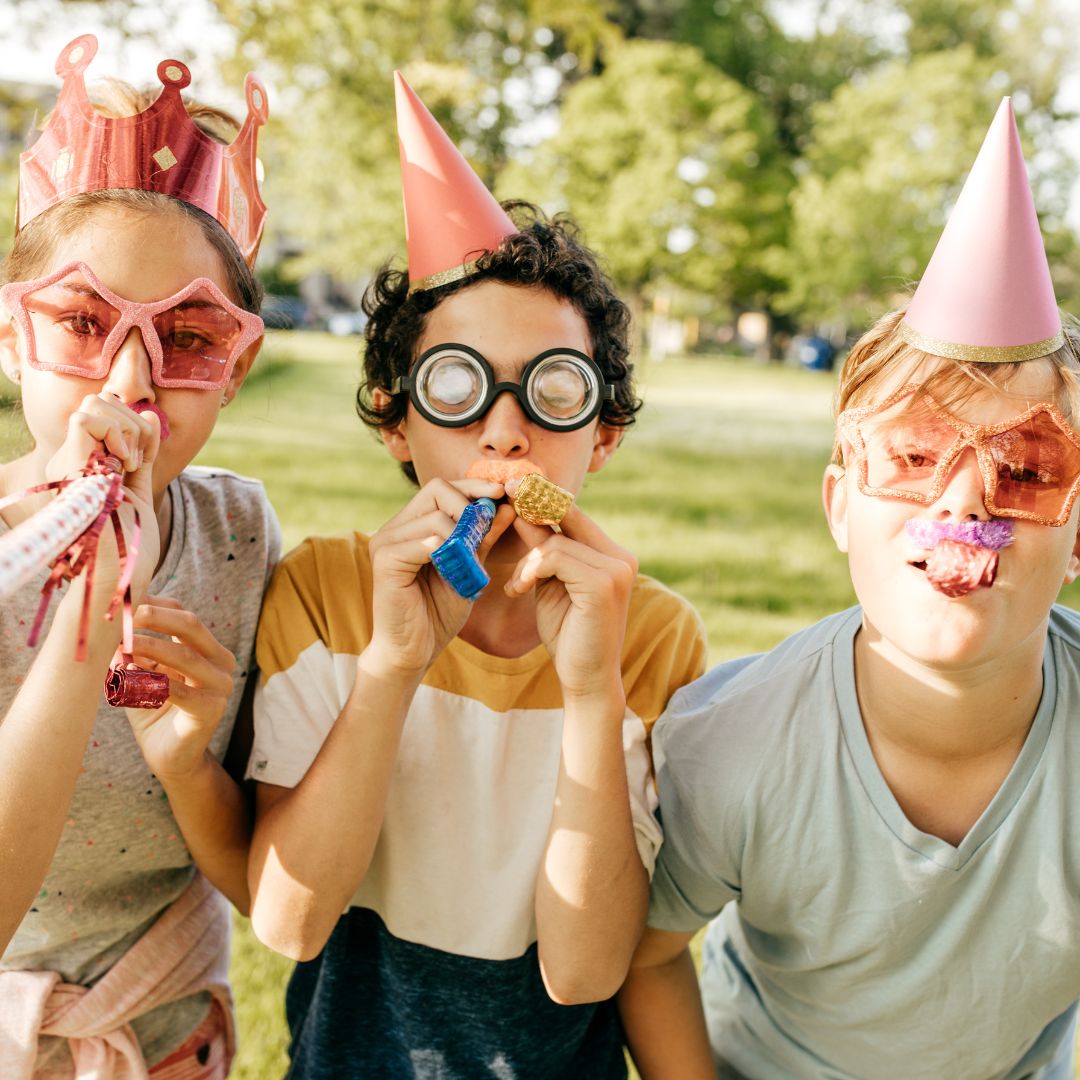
{"x":600,"y":389}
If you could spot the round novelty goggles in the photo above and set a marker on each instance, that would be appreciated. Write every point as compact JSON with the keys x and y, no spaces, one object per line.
{"x":453,"y":385}
{"x":73,"y":324}
{"x":906,"y":446}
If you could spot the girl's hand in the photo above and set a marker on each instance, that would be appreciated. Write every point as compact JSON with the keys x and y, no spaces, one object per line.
{"x":583,"y":582}
{"x":415,"y":612}
{"x":104,"y":423}
{"x":174,"y":738}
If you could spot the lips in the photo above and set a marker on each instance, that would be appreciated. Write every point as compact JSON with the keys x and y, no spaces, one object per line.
{"x":149,"y":406}
{"x":499,"y":470}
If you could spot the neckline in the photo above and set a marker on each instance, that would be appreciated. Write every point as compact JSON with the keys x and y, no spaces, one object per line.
{"x":1005,"y":798}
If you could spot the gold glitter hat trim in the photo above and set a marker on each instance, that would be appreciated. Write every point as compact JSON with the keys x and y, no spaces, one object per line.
{"x":445,"y":277}
{"x":982,"y":354}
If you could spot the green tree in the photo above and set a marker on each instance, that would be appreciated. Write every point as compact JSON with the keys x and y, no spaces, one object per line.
{"x":672,"y":170}
{"x":888,"y":158}
{"x":486,"y":70}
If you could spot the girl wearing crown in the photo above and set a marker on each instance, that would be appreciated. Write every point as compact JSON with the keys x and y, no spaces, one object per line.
{"x":128,"y":320}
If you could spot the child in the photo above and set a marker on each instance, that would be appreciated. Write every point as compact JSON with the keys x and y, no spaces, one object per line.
{"x":889,"y":797}
{"x":129,"y":321}
{"x":469,"y":785}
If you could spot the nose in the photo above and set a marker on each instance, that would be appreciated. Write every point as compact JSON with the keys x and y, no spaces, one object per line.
{"x":504,"y":428}
{"x":965,"y":491}
{"x":129,"y":375}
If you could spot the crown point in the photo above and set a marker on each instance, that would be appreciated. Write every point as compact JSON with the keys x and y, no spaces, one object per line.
{"x":255,"y":95}
{"x":174,"y":73}
{"x":75,"y":57}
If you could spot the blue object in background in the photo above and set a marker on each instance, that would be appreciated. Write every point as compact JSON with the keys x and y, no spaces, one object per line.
{"x":814,"y":353}
{"x":455,"y":558}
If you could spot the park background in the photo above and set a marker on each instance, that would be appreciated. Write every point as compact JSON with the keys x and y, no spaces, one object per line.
{"x":762,"y":178}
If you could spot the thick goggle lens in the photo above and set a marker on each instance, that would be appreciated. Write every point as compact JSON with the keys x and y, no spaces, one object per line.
{"x":450,"y":384}
{"x":454,"y":385}
{"x":562,"y":389}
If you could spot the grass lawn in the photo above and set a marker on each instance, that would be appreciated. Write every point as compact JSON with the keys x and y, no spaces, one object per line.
{"x":716,"y":490}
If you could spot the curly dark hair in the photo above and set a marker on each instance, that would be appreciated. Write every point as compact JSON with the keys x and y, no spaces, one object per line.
{"x":546,"y":253}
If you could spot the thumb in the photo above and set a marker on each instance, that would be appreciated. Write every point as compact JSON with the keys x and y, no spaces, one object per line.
{"x":141,"y":480}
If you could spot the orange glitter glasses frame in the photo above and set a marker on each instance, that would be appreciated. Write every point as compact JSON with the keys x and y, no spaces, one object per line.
{"x":906,"y":446}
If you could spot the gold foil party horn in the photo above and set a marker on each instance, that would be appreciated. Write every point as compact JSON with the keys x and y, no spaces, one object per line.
{"x":540,"y":502}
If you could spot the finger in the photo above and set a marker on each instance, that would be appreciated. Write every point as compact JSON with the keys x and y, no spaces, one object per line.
{"x":95,"y":424}
{"x":187,"y":628}
{"x":190,"y":666}
{"x":437,"y":523}
{"x":575,"y":564}
{"x":163,"y":601}
{"x":449,"y":498}
{"x":577,"y":525}
{"x":129,"y":430}
{"x":197,"y":700}
{"x":503,"y":520}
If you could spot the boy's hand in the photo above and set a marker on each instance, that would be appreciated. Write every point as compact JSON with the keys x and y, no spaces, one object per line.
{"x":174,"y":738}
{"x":415,"y":612}
{"x":583,"y":582}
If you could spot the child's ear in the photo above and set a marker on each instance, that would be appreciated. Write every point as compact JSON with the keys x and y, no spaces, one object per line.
{"x":9,"y":347}
{"x":241,"y":369}
{"x":394,"y":438}
{"x":606,"y":441}
{"x":1072,"y":571}
{"x":834,"y":498}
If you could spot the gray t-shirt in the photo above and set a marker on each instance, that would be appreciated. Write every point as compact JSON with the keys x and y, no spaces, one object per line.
{"x":857,"y":945}
{"x":121,"y":859}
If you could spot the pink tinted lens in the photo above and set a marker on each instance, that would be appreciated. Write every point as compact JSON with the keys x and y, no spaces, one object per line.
{"x":70,"y":322}
{"x":1036,"y":466}
{"x":198,"y":337}
{"x":903,"y":448}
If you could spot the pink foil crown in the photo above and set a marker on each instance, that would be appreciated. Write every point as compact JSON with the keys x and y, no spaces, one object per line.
{"x":161,"y":150}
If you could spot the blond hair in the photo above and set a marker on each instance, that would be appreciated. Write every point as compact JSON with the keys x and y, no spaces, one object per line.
{"x":880,"y":354}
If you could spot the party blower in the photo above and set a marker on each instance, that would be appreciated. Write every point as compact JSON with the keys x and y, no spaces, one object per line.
{"x":63,"y":537}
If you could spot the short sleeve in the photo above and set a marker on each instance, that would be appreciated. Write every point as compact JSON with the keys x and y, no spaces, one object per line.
{"x":697,"y":871}
{"x":303,"y":680}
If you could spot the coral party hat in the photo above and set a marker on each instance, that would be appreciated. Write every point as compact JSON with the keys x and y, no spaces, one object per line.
{"x":986,"y":295}
{"x":451,"y":219}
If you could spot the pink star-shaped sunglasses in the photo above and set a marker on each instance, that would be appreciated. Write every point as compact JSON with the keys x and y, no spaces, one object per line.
{"x":906,"y":446}
{"x":73,"y":324}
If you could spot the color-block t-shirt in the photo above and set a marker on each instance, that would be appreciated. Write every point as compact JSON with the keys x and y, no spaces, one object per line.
{"x":432,"y":971}
{"x":858,"y":946}
{"x":121,"y":859}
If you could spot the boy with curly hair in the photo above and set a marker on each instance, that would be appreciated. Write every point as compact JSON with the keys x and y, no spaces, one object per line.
{"x":468,"y":783}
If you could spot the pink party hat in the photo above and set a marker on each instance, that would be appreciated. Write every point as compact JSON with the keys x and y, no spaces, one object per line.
{"x":451,"y":219}
{"x":986,"y":295}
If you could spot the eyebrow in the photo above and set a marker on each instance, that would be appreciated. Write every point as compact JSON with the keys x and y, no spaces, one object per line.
{"x":82,"y":289}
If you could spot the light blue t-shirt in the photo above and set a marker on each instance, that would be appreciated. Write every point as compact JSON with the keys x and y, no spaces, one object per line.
{"x":859,"y":946}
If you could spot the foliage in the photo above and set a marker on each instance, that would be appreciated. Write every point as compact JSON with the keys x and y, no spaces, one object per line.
{"x":670,"y":167}
{"x":889,"y":155}
{"x":486,"y":70}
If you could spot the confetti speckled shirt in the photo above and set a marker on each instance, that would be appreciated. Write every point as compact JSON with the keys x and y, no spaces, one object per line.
{"x":121,"y":859}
